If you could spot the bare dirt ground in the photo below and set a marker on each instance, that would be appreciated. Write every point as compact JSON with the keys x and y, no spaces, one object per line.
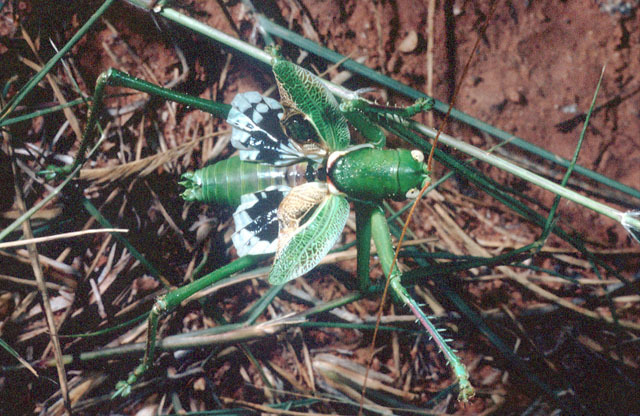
{"x":533,"y":75}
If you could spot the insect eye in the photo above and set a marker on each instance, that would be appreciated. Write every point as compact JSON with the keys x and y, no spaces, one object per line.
{"x":417,"y":156}
{"x":412,"y":193}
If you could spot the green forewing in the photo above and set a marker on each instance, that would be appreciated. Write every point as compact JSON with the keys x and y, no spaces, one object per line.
{"x":305,"y":92}
{"x":314,"y":240}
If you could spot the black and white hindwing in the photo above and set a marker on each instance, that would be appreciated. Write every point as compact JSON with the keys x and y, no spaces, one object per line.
{"x":256,"y":220}
{"x":257,"y":132}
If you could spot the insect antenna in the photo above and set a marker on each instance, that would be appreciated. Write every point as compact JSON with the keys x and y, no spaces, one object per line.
{"x":415,"y":203}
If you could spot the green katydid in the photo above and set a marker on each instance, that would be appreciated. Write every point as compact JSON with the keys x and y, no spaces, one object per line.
{"x":269,"y":215}
{"x":294,"y":129}
{"x":312,"y":140}
{"x":301,"y":222}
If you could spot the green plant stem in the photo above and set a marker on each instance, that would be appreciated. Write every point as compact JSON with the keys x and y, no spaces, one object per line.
{"x":95,"y":213}
{"x":22,"y":218}
{"x":500,"y":193}
{"x":259,"y":307}
{"x":523,"y":173}
{"x":227,"y":334}
{"x":574,"y":160}
{"x":220,"y":335}
{"x":345,"y":94}
{"x":235,"y":43}
{"x":43,"y":112}
{"x":15,"y":224}
{"x":50,"y":64}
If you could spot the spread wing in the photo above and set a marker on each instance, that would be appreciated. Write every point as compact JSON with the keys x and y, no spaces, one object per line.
{"x":257,"y":132}
{"x":303,"y":94}
{"x":300,"y":224}
{"x":302,"y":251}
{"x":256,"y":220}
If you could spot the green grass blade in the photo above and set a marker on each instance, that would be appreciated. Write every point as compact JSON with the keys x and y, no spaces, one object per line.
{"x":17,"y":99}
{"x":261,"y":305}
{"x":565,"y":179}
{"x":17,"y":356}
{"x":15,"y":224}
{"x":34,"y":114}
{"x":392,"y":84}
{"x":93,"y":211}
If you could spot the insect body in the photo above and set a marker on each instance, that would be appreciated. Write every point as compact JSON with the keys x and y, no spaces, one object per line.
{"x":291,"y":184}
{"x":304,"y":138}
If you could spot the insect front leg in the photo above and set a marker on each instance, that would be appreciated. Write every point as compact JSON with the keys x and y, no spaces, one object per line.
{"x":382,"y":241}
{"x":363,"y":243}
{"x":366,"y":116}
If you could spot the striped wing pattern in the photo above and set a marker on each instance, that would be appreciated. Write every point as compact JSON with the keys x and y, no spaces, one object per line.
{"x":259,"y":137}
{"x":257,"y":133}
{"x":256,"y":220}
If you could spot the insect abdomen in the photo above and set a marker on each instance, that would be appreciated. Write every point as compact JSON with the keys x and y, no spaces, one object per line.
{"x":224,"y":182}
{"x":375,"y":174}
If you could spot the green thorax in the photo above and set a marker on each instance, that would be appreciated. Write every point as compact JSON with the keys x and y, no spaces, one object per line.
{"x":375,"y":174}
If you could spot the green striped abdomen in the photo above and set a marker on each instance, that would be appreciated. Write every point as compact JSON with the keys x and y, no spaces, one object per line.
{"x":375,"y":174}
{"x":224,"y":182}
